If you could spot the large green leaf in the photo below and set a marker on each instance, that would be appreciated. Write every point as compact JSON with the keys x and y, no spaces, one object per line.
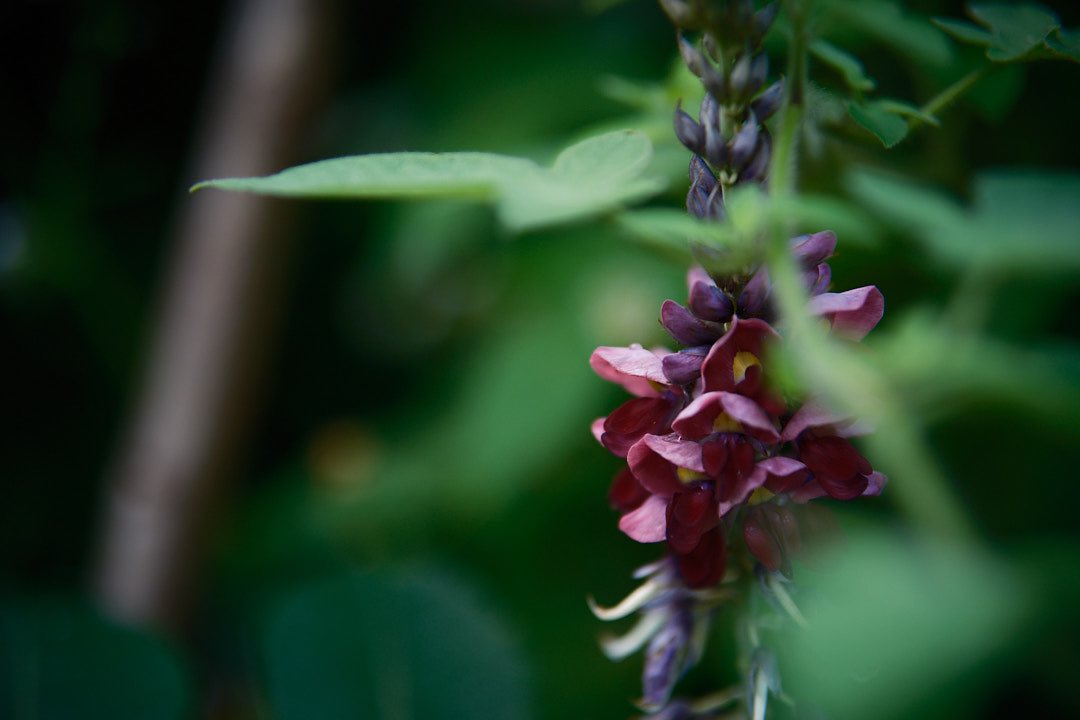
{"x":1019,"y":222}
{"x":389,"y":647}
{"x":587,"y":178}
{"x":893,"y":623}
{"x":64,"y":662}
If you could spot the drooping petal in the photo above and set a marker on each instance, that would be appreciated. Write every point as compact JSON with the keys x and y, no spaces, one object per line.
{"x":689,"y":515}
{"x":853,"y":313}
{"x":647,"y":524}
{"x":634,"y":367}
{"x":632,"y":420}
{"x":704,"y":566}
{"x":836,"y":465}
{"x":783,"y":474}
{"x":687,"y":328}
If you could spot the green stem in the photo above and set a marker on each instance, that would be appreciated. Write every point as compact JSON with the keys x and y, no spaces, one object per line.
{"x":949,"y":95}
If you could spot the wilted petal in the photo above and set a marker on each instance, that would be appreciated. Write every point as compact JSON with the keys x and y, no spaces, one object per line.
{"x":642,"y":595}
{"x":853,"y":313}
{"x":623,"y":646}
{"x":686,"y":327}
{"x":875,"y":484}
{"x":647,"y":524}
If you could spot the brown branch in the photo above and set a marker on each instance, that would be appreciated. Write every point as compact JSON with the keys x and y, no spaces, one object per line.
{"x":189,"y":425}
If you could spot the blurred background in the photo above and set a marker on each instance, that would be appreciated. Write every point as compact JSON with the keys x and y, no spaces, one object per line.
{"x":331,"y":460}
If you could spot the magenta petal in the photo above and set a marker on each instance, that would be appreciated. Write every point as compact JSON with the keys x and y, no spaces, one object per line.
{"x":853,"y":313}
{"x":754,"y":420}
{"x":810,"y":491}
{"x":647,"y":524}
{"x":634,"y":367}
{"x":875,"y":483}
{"x":743,"y":335}
{"x":810,"y":415}
{"x":678,"y":452}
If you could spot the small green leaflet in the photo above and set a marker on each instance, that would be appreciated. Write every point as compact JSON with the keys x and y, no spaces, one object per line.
{"x":888,"y":119}
{"x":849,"y":66}
{"x":1011,"y":32}
{"x":588,"y":178}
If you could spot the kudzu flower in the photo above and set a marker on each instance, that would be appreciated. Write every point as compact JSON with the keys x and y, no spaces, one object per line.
{"x":719,"y":465}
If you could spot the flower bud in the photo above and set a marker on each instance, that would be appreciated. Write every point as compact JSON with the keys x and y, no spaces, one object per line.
{"x":744,"y":143}
{"x":763,"y":20}
{"x":689,"y":132}
{"x":767,"y":103}
{"x":709,"y":302}
{"x":810,"y":250}
{"x":687,"y":328}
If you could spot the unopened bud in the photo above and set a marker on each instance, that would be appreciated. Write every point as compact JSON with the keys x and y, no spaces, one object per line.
{"x":689,"y":132}
{"x":744,"y":143}
{"x":767,"y":103}
{"x":709,"y":302}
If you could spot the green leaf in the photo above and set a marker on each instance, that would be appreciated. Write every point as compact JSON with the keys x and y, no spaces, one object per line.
{"x":675,"y":231}
{"x":1017,"y":29}
{"x":591,"y":177}
{"x":892,"y":623}
{"x":1065,"y":42}
{"x":899,"y":107}
{"x":415,"y":645}
{"x":877,"y":117}
{"x":62,"y":661}
{"x":1019,"y":222}
{"x":843,"y":62}
{"x":964,"y":31}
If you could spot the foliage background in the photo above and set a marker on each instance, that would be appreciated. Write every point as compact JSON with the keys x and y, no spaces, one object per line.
{"x":421,"y":506}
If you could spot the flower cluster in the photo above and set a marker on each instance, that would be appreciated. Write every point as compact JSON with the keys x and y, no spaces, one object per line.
{"x":714,"y":454}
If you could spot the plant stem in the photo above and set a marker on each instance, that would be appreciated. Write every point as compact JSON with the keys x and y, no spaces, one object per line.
{"x":947,"y":96}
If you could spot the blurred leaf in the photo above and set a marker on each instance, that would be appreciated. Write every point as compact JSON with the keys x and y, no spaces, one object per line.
{"x":1065,"y":42}
{"x":675,"y":230}
{"x":844,"y":63}
{"x":1013,"y":30}
{"x":964,"y":31}
{"x":810,"y":213}
{"x":892,"y":623}
{"x":881,"y":120}
{"x":1019,"y":221}
{"x":890,"y":23}
{"x":899,"y":107}
{"x":390,"y":647}
{"x":63,"y":662}
{"x":934,"y":364}
{"x":587,"y":178}
{"x":1017,"y":29}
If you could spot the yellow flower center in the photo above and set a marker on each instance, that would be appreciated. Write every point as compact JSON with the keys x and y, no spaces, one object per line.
{"x":726,"y":423}
{"x":762,"y":494}
{"x":743,"y":361}
{"x":687,"y":476}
